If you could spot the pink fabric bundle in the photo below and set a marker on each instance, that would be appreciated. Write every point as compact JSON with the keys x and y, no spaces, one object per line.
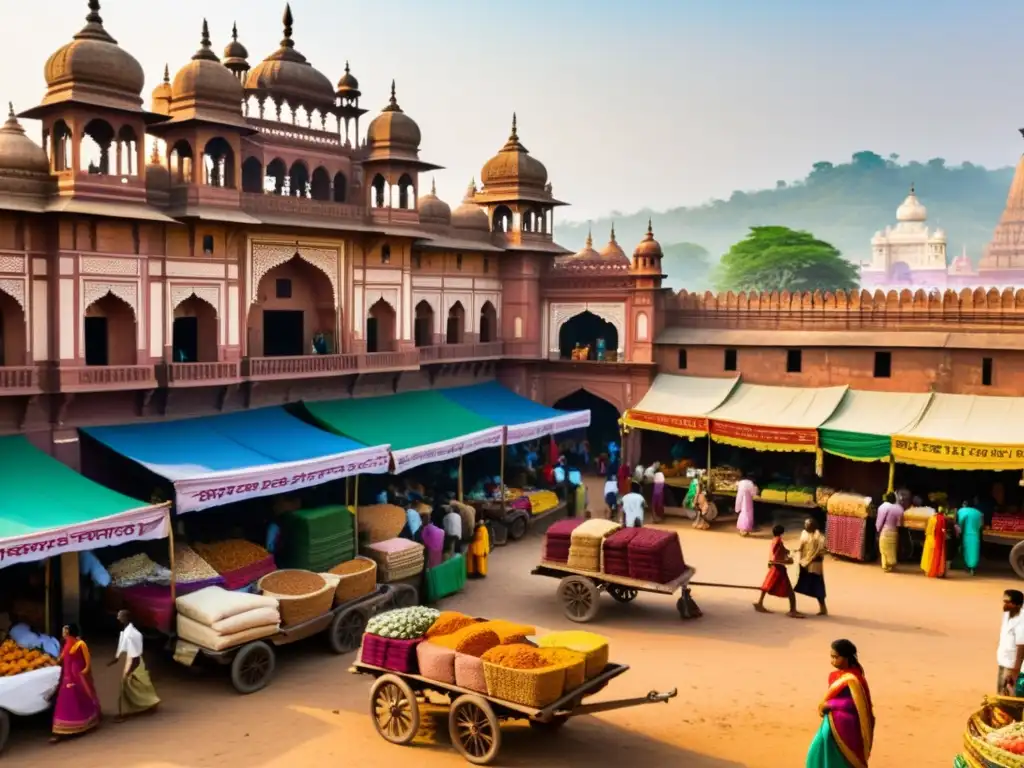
{"x":616,"y":551}
{"x":389,"y":653}
{"x":243,"y":577}
{"x":656,"y":556}
{"x":558,"y":540}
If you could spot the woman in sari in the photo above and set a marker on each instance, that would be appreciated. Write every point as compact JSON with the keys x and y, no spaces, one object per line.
{"x":933,"y":558}
{"x":848,"y":720}
{"x":77,"y":709}
{"x":970,"y":521}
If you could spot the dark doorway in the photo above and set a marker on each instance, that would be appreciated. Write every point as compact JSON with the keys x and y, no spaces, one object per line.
{"x":372,"y":335}
{"x":282,"y":332}
{"x":604,"y":417}
{"x":96,"y":350}
{"x":584,"y":331}
{"x":185,"y":340}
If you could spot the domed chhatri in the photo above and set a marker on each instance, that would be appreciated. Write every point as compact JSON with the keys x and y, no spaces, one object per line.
{"x":235,"y":52}
{"x":205,"y":89}
{"x":24,"y":166}
{"x":514,"y":166}
{"x":912,"y":209}
{"x":433,"y":210}
{"x":613,"y":252}
{"x":393,"y":131}
{"x":160,"y":100}
{"x":348,"y":86}
{"x":285,"y":75}
{"x":469,"y":216}
{"x":647,"y":255}
{"x":93,"y":69}
{"x":587,"y":252}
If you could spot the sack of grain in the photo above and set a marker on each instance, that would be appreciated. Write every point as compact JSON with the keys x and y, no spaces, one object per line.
{"x":594,"y":530}
{"x":469,"y":673}
{"x":436,"y":662}
{"x":592,"y":646}
{"x":213,"y":604}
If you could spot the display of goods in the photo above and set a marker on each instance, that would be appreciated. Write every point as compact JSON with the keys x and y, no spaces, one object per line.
{"x":390,"y":653}
{"x":301,"y":595}
{"x":447,"y":623}
{"x":469,"y":673}
{"x":391,"y":575}
{"x":190,"y":567}
{"x":257,"y":617}
{"x":135,"y":569}
{"x":517,"y":656}
{"x":773,"y":492}
{"x":1007,"y":523}
{"x":656,"y":555}
{"x":150,"y":606}
{"x":522,"y":502}
{"x":850,"y":505}
{"x":529,"y":687}
{"x":230,"y":555}
{"x":511,"y":494}
{"x":403,"y":623}
{"x":436,"y":661}
{"x":542,"y":501}
{"x":574,"y":663}
{"x":822,"y":494}
{"x":473,"y":640}
{"x":585,"y":557}
{"x":802,"y":496}
{"x":724,"y":478}
{"x":509,"y":632}
{"x":916,"y":518}
{"x":558,"y":539}
{"x":593,"y":647}
{"x":446,"y":579}
{"x":397,"y":559}
{"x":292,"y":583}
{"x":846,"y":536}
{"x":615,"y":551}
{"x":317,"y":539}
{"x":381,"y":521}
{"x":1010,"y":738}
{"x":357,"y":578}
{"x":213,"y":604}
{"x":207,"y":637}
{"x":594,"y":530}
{"x":14,"y":659}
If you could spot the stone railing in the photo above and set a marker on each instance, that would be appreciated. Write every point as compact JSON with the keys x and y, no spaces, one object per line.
{"x":441,"y":353}
{"x":199,"y":374}
{"x":19,"y":379}
{"x":256,"y":203}
{"x":85,"y":378}
{"x":311,"y":366}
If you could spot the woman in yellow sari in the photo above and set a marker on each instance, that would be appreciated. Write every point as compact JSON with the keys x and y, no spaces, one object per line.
{"x":933,"y":559}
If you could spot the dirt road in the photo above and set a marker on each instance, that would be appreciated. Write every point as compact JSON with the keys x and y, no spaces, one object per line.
{"x":748,"y":684}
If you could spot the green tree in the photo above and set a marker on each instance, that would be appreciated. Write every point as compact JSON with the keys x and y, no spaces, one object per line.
{"x":687,"y":265}
{"x":783,"y":259}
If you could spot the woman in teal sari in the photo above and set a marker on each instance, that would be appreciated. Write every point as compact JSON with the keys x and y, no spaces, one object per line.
{"x":848,"y":720}
{"x":970,"y":521}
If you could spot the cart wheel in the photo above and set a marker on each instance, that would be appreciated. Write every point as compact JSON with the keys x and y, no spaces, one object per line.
{"x":394,"y":710}
{"x":687,"y":606}
{"x":517,"y":528}
{"x":5,"y":728}
{"x":1017,"y":558}
{"x":474,"y":728}
{"x":622,"y":594}
{"x":579,"y":597}
{"x":552,"y":726}
{"x":346,"y":633}
{"x":404,"y":596}
{"x":253,"y":667}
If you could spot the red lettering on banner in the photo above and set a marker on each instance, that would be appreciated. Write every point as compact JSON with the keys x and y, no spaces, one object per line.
{"x":759,"y":434}
{"x":692,"y":423}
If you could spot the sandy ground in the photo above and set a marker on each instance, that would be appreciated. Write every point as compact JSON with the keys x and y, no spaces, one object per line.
{"x":748,"y":684}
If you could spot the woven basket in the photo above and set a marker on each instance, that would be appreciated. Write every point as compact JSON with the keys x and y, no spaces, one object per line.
{"x":300,"y":608}
{"x":358,"y":578}
{"x":528,"y":687}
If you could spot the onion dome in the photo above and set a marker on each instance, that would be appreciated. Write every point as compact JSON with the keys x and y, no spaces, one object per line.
{"x":285,"y":75}
{"x":647,"y":255}
{"x":612,"y":251}
{"x":234,"y":52}
{"x":911,"y":209}
{"x":204,"y":89}
{"x":18,"y":153}
{"x":434,"y":210}
{"x":160,"y":101}
{"x":514,"y":166}
{"x":587,"y":252}
{"x":393,"y":131}
{"x":469,"y":215}
{"x":348,"y":86}
{"x":93,"y":69}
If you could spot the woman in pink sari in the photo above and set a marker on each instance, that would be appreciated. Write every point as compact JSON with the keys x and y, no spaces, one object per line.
{"x":745,"y":493}
{"x":848,"y":720}
{"x":77,"y":709}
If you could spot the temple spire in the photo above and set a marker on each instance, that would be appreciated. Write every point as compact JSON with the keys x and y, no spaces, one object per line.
{"x":288,"y":20}
{"x":167,"y":74}
{"x":514,"y":136}
{"x":234,"y":31}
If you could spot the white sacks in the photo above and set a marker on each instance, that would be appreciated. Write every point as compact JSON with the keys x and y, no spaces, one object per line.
{"x":216,"y":619}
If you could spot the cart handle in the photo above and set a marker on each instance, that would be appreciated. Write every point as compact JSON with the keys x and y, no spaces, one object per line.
{"x":606,"y":706}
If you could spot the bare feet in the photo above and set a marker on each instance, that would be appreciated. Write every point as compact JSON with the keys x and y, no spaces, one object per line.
{"x":760,"y":608}
{"x":795,"y":615}
{"x":823,"y":612}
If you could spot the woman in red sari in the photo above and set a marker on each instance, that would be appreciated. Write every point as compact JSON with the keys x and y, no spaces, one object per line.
{"x":848,"y":721}
{"x":777,"y":583}
{"x":77,"y":709}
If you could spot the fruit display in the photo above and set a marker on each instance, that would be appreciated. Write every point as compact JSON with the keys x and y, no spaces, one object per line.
{"x":403,"y":623}
{"x":14,"y":659}
{"x":1009,"y":739}
{"x":724,"y":478}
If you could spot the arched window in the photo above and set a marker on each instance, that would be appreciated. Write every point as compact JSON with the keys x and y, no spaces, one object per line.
{"x":488,"y":323}
{"x":194,"y":334}
{"x":252,"y":176}
{"x":406,"y":193}
{"x":60,"y":156}
{"x":298,"y":180}
{"x":181,"y":162}
{"x":502,"y":219}
{"x":127,"y":152}
{"x":378,"y":187}
{"x":456,"y":330}
{"x":12,"y":331}
{"x":423,"y":327}
{"x":110,"y":332}
{"x":276,"y":181}
{"x":219,"y":164}
{"x":294,"y":312}
{"x":340,"y":187}
{"x":381,"y":327}
{"x":320,"y":185}
{"x":97,"y":139}
{"x":641,"y":327}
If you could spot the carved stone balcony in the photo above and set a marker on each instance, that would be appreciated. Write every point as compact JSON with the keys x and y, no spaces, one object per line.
{"x":20,"y":380}
{"x":98,"y":378}
{"x":456,"y":353}
{"x":199,"y":374}
{"x":256,"y":204}
{"x":318,"y":366}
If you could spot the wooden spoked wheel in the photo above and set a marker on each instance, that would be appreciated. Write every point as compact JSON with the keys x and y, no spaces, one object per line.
{"x":346,"y":631}
{"x":395,"y":712}
{"x":253,"y":667}
{"x":474,"y":729}
{"x":622,"y":594}
{"x":579,"y":597}
{"x":1017,"y":558}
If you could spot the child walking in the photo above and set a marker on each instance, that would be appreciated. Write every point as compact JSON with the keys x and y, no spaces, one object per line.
{"x":777,"y":583}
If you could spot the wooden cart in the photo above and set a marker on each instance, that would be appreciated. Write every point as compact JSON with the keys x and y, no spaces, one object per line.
{"x":253,"y":664}
{"x":516,"y":522}
{"x":1011,"y":539}
{"x":474,"y":719}
{"x":579,"y":590}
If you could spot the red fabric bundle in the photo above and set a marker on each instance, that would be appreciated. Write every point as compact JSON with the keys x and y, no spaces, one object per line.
{"x":390,"y":653}
{"x":151,"y":606}
{"x":245,"y":576}
{"x":656,"y":556}
{"x":616,"y":551}
{"x":558,"y":539}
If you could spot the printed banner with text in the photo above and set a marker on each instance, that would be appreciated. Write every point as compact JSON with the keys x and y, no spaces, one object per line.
{"x":446,"y":449}
{"x":684,"y":426}
{"x":522,"y":433}
{"x":763,"y":438}
{"x":944,"y":454}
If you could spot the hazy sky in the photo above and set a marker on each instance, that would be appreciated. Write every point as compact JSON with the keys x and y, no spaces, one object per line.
{"x":644,"y":103}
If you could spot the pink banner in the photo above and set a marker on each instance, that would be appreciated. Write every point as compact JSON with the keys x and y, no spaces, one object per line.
{"x":138,"y":525}
{"x":522,"y":433}
{"x":225,"y":487}
{"x":427,"y":454}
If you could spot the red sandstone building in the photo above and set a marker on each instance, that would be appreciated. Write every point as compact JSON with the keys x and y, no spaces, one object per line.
{"x":269,"y":251}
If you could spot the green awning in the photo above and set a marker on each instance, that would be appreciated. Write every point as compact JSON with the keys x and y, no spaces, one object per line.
{"x":863,"y":425}
{"x":47,"y":508}
{"x":421,"y":427}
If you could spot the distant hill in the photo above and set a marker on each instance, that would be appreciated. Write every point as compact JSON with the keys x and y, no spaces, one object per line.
{"x":844,"y":204}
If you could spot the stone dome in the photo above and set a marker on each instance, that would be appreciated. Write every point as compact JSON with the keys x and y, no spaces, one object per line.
{"x":469,"y":215}
{"x":19,"y":155}
{"x":613,"y":251}
{"x":348,"y":86}
{"x":94,"y":69}
{"x":911,"y":209}
{"x":587,"y":252}
{"x":157,"y":175}
{"x":393,"y":130}
{"x":513,"y":165}
{"x":206,"y":85}
{"x":163,"y":92}
{"x":285,"y":75}
{"x":235,"y":52}
{"x":648,"y":248}
{"x":432,"y":209}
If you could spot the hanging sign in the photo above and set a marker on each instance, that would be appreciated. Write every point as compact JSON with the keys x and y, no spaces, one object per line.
{"x":945,"y":454}
{"x":670,"y":423}
{"x":762,"y":438}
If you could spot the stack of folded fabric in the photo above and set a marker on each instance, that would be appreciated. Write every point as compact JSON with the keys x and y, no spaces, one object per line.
{"x":558,"y":540}
{"x":616,"y":551}
{"x":216,"y":619}
{"x":542,"y":501}
{"x":656,"y":556}
{"x":396,"y":559}
{"x":317,"y":539}
{"x":587,"y":541}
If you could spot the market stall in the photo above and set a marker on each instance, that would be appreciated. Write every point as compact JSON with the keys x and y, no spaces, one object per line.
{"x":860,"y":432}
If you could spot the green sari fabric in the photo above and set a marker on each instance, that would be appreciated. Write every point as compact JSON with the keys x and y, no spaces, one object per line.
{"x":824,"y":752}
